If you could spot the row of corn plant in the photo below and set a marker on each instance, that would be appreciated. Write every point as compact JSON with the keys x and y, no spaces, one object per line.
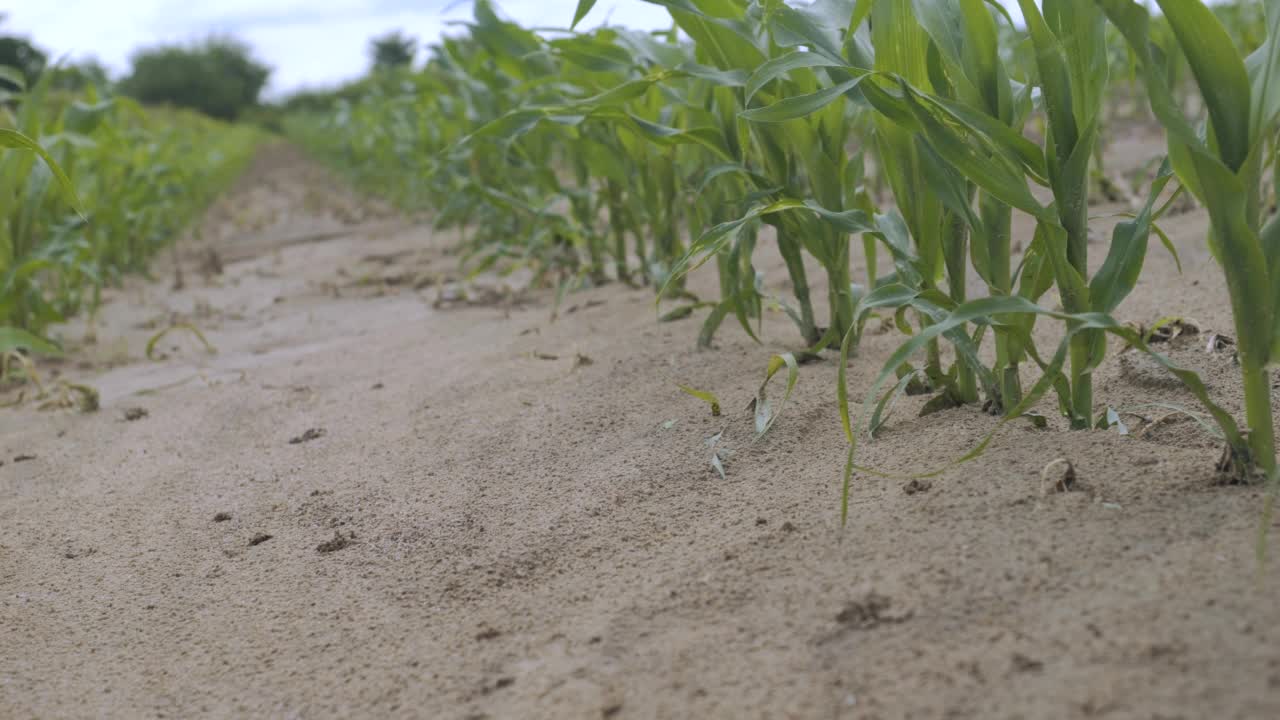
{"x":918,"y":127}
{"x":596,"y":155}
{"x":138,"y":176}
{"x":941,"y":91}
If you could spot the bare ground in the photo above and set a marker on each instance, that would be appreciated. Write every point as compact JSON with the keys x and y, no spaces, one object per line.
{"x":381,"y":498}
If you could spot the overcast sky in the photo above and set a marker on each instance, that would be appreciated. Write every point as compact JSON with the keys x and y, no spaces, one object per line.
{"x":308,"y":43}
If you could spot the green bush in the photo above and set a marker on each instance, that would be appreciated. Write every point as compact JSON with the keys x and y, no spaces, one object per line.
{"x":217,"y":77}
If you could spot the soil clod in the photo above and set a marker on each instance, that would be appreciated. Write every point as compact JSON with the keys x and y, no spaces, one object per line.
{"x":308,"y":436}
{"x":870,"y":612}
{"x":917,"y":486}
{"x":135,"y":413}
{"x":259,"y":539}
{"x":335,"y":544}
{"x":1058,"y":476}
{"x":1025,"y":664}
{"x":1218,"y":342}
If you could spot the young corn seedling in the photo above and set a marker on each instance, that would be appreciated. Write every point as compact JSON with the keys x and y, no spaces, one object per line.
{"x":1071,"y":62}
{"x":966,"y":37}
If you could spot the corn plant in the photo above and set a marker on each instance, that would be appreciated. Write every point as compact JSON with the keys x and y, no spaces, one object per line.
{"x":139,"y":176}
{"x":791,"y":151}
{"x":14,"y":338}
{"x":978,"y":137}
{"x":638,"y":157}
{"x":1225,"y":167}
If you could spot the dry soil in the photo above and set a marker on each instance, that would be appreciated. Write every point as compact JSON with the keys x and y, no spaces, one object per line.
{"x":391,"y":494}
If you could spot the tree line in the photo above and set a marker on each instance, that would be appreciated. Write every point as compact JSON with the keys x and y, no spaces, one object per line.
{"x":217,"y":75}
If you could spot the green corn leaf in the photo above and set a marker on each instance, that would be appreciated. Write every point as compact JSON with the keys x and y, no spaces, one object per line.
{"x":1213,"y":177}
{"x":1269,"y":237}
{"x":20,"y":274}
{"x":943,"y":21}
{"x":999,"y":7}
{"x":155,"y":339}
{"x":766,"y":416}
{"x":12,"y":338}
{"x":849,"y":221}
{"x":1119,"y":272}
{"x":704,"y":396}
{"x":949,"y":187}
{"x":718,"y":30}
{"x":13,"y":75}
{"x":989,"y":311}
{"x":722,"y":78}
{"x":808,"y":26}
{"x":986,"y":170}
{"x":891,"y":295}
{"x":1134,"y":23}
{"x":1263,"y":66}
{"x":707,"y":137}
{"x":713,"y":321}
{"x":782,"y":65}
{"x":982,"y":57}
{"x":1253,"y":296}
{"x":895,"y":236}
{"x":593,"y":54}
{"x":800,"y":106}
{"x":1219,"y":72}
{"x":1055,"y":78}
{"x":998,"y":137}
{"x":584,"y":7}
{"x":620,"y":95}
{"x":13,"y":139}
{"x":508,"y":127}
{"x":507,"y":41}
{"x":724,"y":169}
{"x":82,"y":118}
{"x":1081,"y":29}
{"x":880,"y":415}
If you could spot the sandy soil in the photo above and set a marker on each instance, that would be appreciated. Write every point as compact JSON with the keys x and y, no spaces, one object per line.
{"x":500,"y":516}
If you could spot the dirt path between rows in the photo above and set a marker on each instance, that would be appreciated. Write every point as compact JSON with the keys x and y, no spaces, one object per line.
{"x":381,"y":498}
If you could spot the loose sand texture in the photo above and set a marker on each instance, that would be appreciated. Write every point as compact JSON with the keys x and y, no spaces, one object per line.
{"x":390,"y":494}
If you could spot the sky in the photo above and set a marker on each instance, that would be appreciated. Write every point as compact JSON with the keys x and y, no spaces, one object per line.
{"x":308,"y":43}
